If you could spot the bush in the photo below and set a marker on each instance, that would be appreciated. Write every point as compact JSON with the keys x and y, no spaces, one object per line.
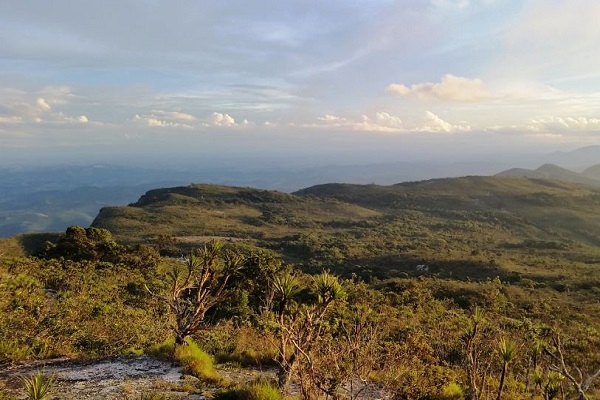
{"x":10,"y":350}
{"x":452,"y":391}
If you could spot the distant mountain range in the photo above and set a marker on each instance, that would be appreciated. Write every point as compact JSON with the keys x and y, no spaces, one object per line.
{"x":590,"y":176}
{"x":578,"y":160}
{"x":43,"y":199}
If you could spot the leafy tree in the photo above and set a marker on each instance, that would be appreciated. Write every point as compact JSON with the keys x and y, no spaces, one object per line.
{"x":79,"y":244}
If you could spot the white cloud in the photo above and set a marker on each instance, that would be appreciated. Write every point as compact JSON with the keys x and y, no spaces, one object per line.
{"x":380,"y":122}
{"x":83,"y":119}
{"x":153,"y":121}
{"x":333,"y":120}
{"x":436,"y":124}
{"x":10,"y":120}
{"x":564,"y":124}
{"x":43,"y":105}
{"x":219,"y":119}
{"x":173,"y":115}
{"x":387,"y":123}
{"x":450,"y":88}
{"x":162,"y":119}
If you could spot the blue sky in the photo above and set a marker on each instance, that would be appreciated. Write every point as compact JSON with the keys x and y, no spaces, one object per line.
{"x":342,"y":80}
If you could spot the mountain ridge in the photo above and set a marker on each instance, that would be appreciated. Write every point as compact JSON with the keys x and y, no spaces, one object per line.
{"x":554,"y":172}
{"x":531,"y":209}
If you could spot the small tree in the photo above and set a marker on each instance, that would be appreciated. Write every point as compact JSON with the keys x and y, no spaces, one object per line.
{"x":301,"y":327}
{"x":197,"y":285}
{"x":559,"y":365}
{"x":507,"y":351}
{"x":472,"y":353}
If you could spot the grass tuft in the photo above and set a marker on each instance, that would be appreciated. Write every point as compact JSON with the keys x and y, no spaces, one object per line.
{"x":197,"y":362}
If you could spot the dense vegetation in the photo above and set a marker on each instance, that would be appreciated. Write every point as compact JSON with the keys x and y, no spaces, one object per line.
{"x":474,"y":288}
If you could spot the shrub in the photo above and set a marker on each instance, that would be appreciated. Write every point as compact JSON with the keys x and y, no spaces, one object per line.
{"x":452,"y":391}
{"x":10,"y":350}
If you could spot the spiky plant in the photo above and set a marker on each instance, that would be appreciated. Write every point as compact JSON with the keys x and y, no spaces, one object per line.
{"x":38,"y":386}
{"x":286,"y":287}
{"x":328,"y":288}
{"x":508,"y":351}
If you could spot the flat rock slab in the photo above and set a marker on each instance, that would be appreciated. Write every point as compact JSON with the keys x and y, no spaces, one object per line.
{"x":108,"y":379}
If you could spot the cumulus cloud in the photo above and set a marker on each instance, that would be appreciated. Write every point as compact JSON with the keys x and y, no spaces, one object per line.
{"x":333,"y":120}
{"x":388,"y":123}
{"x":450,"y":88}
{"x":173,"y":115}
{"x":219,"y":119}
{"x":34,"y":108}
{"x":378,"y":122}
{"x":436,"y":124}
{"x":564,"y":124}
{"x":173,"y":119}
{"x":156,"y":122}
{"x":43,"y":105}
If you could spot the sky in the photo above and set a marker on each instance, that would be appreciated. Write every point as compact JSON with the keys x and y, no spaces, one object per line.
{"x":340,"y":81}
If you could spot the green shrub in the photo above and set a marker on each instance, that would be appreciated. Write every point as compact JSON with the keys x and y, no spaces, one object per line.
{"x":452,"y":391}
{"x":10,"y":350}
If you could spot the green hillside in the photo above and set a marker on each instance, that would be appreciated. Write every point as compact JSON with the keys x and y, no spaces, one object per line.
{"x":471,"y":227}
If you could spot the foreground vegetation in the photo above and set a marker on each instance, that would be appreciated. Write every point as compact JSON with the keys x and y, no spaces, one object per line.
{"x":417,"y":290}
